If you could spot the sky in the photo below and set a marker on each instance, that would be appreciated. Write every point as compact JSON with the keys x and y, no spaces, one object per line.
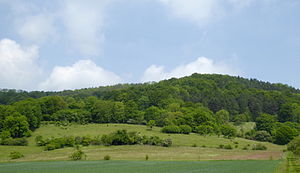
{"x":54,"y":45}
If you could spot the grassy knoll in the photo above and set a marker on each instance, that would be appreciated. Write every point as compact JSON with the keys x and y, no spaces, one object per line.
{"x":140,"y":166}
{"x":181,"y":150}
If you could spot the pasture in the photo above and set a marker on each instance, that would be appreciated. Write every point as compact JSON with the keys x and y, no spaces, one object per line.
{"x":192,"y":147}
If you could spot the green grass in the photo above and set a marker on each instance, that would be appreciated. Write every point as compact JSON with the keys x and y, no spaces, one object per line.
{"x":140,"y":166}
{"x":181,"y":150}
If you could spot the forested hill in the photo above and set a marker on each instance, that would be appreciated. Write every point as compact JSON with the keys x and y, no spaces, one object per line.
{"x":197,"y":81}
{"x":202,"y":102}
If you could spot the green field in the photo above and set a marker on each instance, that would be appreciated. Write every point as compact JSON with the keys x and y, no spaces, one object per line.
{"x":140,"y":166}
{"x":181,"y":150}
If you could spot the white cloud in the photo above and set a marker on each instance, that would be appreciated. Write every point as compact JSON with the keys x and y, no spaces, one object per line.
{"x":197,"y":11}
{"x":84,"y":21}
{"x":18,"y":65}
{"x":201,"y":65}
{"x":202,"y":12}
{"x":37,"y":28}
{"x":82,"y":74}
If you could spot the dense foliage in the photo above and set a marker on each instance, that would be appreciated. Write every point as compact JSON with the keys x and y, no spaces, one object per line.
{"x":199,"y":103}
{"x":120,"y":137}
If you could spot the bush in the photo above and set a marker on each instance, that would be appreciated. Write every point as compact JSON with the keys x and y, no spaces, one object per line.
{"x":14,"y":142}
{"x":171,"y":129}
{"x":147,"y":157}
{"x":49,"y":147}
{"x":194,"y":145}
{"x":259,"y":147}
{"x":185,"y":129}
{"x":221,"y":146}
{"x":167,"y":142}
{"x":245,"y":148}
{"x":154,"y":140}
{"x":106,"y":140}
{"x":204,"y":130}
{"x":263,"y":136}
{"x":77,"y":155}
{"x":15,"y":155}
{"x":39,"y":140}
{"x":120,"y":137}
{"x":228,"y":131}
{"x":294,"y":146}
{"x":5,"y":135}
{"x":106,"y":157}
{"x":228,"y":147}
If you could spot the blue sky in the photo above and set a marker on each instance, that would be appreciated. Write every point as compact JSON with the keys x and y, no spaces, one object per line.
{"x":69,"y":44}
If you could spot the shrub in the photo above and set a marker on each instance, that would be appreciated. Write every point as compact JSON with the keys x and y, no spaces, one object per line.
{"x":154,"y":140}
{"x":185,"y":129}
{"x":106,"y":157}
{"x":96,"y":141}
{"x":204,"y":130}
{"x":228,"y":147}
{"x":120,"y":137}
{"x":221,"y":146}
{"x":245,"y":148}
{"x":167,"y":142}
{"x":39,"y":140}
{"x":294,"y":146}
{"x":49,"y":147}
{"x":194,"y":145}
{"x":14,"y":142}
{"x":147,"y":157}
{"x":228,"y":131}
{"x":263,"y":136}
{"x":259,"y":147}
{"x":15,"y":155}
{"x":5,"y":135}
{"x":171,"y":129}
{"x":86,"y":141}
{"x":77,"y":155}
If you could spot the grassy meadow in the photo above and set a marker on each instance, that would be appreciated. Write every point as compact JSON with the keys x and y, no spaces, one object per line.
{"x":190,"y":147}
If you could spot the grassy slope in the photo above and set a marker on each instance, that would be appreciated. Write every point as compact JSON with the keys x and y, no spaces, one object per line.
{"x":181,"y":149}
{"x":141,"y":166}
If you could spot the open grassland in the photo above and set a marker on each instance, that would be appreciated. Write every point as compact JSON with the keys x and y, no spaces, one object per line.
{"x":181,"y":150}
{"x":140,"y":166}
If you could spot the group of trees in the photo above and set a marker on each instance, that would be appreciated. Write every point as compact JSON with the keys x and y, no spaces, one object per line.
{"x":119,"y":137}
{"x":200,"y":103}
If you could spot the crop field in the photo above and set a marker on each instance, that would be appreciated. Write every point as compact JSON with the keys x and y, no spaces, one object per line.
{"x":140,"y":166}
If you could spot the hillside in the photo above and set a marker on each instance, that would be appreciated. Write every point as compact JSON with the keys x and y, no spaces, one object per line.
{"x":185,"y":147}
{"x":201,"y":103}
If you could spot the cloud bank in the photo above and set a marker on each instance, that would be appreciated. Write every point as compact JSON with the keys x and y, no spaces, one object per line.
{"x":201,"y":65}
{"x":82,"y":74}
{"x":20,"y":69}
{"x":19,"y":65}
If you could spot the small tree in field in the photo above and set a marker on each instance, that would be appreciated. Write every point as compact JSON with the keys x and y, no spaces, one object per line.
{"x":78,"y":154}
{"x":150,"y":124}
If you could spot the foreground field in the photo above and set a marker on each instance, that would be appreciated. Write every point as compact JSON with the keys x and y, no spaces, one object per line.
{"x":141,"y":166}
{"x":206,"y":147}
